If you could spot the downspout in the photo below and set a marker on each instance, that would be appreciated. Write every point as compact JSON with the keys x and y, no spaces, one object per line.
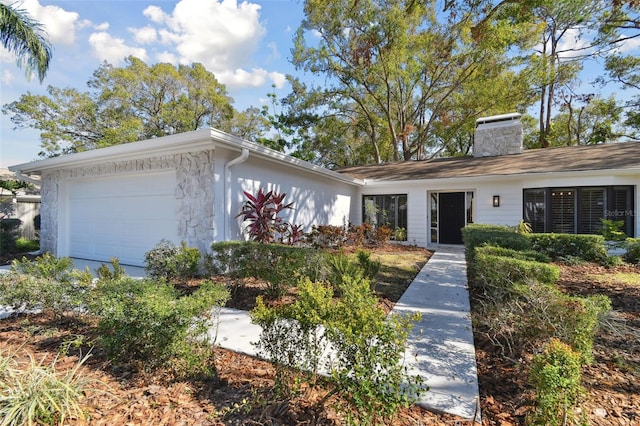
{"x":227,"y":184}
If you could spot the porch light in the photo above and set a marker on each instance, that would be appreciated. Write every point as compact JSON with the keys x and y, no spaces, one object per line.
{"x":496,"y":201}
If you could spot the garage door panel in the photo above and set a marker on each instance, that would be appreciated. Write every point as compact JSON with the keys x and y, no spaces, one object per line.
{"x":121,"y":217}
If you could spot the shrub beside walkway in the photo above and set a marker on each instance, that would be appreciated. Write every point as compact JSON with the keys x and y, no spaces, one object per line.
{"x":440,"y":347}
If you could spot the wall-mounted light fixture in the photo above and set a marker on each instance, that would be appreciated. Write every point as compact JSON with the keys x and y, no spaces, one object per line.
{"x":496,"y":201}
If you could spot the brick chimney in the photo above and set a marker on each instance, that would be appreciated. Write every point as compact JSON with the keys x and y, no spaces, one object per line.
{"x":498,"y":135}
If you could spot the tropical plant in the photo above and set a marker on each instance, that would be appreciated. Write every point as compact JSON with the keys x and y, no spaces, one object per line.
{"x":262,"y":212}
{"x":24,"y":37}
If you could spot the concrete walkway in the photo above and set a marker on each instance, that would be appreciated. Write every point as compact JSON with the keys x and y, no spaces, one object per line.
{"x":440,"y":348}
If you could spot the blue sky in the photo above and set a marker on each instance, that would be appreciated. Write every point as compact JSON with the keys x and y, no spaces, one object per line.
{"x":245,"y":44}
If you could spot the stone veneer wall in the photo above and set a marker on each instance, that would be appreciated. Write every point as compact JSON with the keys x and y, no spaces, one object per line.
{"x":494,"y":139}
{"x":194,"y":192}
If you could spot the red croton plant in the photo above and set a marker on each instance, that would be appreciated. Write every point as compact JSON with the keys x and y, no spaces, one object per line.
{"x":261,"y":211}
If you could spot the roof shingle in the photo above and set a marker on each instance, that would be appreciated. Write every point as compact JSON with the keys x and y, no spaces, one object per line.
{"x":613,"y":156}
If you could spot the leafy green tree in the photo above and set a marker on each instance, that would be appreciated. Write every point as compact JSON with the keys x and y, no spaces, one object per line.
{"x":391,"y":68}
{"x":126,"y":104}
{"x":24,"y":37}
{"x":587,"y":121}
{"x":559,"y":58}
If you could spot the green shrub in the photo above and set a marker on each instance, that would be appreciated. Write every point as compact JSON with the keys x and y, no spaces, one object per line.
{"x":45,"y":283}
{"x":23,"y":245}
{"x":146,"y":320}
{"x":499,"y":276}
{"x":495,"y":235}
{"x":529,"y":255}
{"x":365,"y":365}
{"x":280,"y":265}
{"x":590,"y":248}
{"x":171,"y":262}
{"x":117,"y":272}
{"x":340,"y":266}
{"x":46,"y":266}
{"x":555,"y":375}
{"x":32,"y":393}
{"x":612,"y":230}
{"x":9,"y":234}
{"x":538,"y":312}
{"x":633,"y":251}
{"x":578,"y":321}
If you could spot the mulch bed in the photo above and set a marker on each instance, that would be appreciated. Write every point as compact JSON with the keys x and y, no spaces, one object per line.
{"x":244,"y":394}
{"x":612,"y":382}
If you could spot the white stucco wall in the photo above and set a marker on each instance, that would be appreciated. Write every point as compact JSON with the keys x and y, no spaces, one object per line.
{"x":509,"y":188}
{"x":194,"y":193}
{"x":317,"y":199}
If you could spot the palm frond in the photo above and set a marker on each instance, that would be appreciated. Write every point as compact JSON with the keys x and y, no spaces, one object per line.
{"x":23,"y":36}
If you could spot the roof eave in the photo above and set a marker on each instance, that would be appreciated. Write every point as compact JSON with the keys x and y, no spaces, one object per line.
{"x":174,"y":144}
{"x":503,"y":177}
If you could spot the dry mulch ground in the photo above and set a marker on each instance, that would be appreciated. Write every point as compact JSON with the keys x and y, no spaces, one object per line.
{"x":612,"y":382}
{"x":244,"y":394}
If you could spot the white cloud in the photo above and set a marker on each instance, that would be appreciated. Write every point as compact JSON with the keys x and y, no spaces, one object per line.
{"x":59,"y":24}
{"x":7,"y":77}
{"x":278,"y":79}
{"x":144,"y":35}
{"x":102,"y":27}
{"x":113,"y":50}
{"x":155,"y":14}
{"x":6,"y":56}
{"x":167,"y":57}
{"x":222,"y":35}
{"x":255,"y":78}
{"x":628,"y":45}
{"x":275,"y":54}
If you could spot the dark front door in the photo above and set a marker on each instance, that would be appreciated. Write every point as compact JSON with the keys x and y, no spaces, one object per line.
{"x":452,"y":217}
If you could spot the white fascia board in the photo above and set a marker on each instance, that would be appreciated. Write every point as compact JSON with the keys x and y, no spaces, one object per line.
{"x":501,"y":178}
{"x":263,"y":152}
{"x":166,"y":145}
{"x":174,"y":144}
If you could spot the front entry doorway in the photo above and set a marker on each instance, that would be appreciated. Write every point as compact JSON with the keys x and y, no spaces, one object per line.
{"x":450,"y":212}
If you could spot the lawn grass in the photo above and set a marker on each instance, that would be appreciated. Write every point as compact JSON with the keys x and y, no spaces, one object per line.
{"x":626,"y":278}
{"x":24,"y":245}
{"x":397,"y":271}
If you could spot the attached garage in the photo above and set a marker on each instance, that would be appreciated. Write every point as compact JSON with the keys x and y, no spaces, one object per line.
{"x":121,"y":216}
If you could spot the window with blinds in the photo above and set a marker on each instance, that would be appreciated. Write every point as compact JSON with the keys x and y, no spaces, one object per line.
{"x":621,"y":207}
{"x":581,"y":209}
{"x":563,"y":211}
{"x":591,"y":210}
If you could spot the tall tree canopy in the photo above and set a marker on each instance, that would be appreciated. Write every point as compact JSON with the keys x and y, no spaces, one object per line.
{"x":131,"y":103}
{"x":395,"y":73}
{"x":25,"y":38}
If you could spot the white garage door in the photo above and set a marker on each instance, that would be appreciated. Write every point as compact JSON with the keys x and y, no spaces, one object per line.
{"x":121,"y":217}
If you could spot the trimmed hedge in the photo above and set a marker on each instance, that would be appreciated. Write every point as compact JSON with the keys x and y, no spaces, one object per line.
{"x":590,"y":248}
{"x":276,"y":263}
{"x":475,"y":235}
{"x":502,"y":273}
{"x":515,"y":254}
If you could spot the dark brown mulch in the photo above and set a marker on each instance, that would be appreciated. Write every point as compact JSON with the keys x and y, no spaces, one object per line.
{"x":612,"y":382}
{"x":244,"y":395}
